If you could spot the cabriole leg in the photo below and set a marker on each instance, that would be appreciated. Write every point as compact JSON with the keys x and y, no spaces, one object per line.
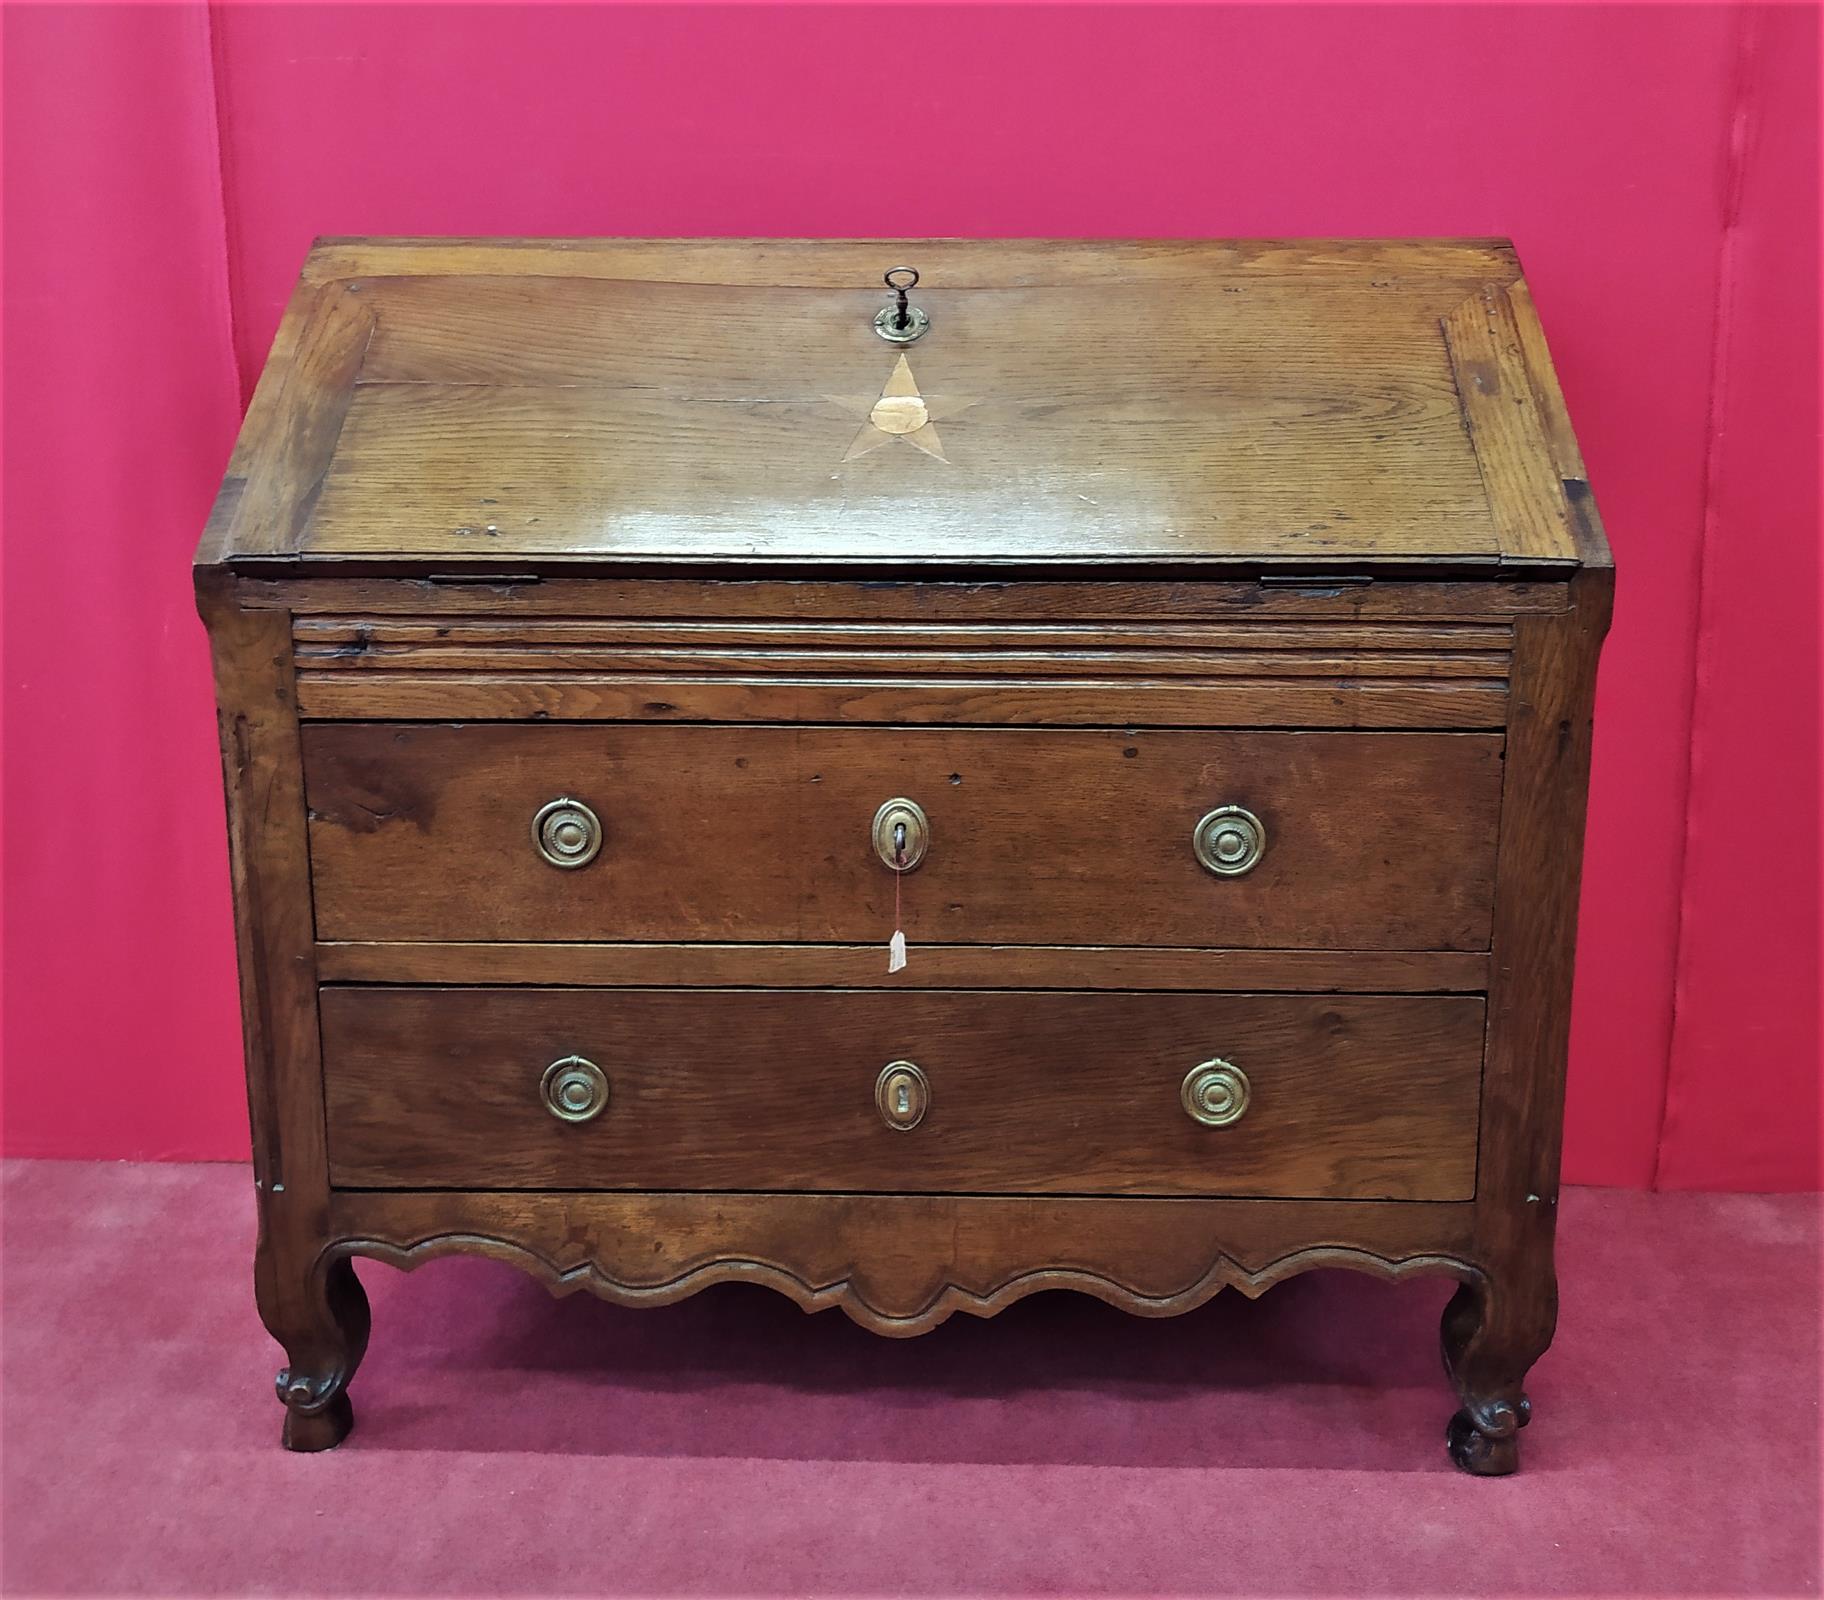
{"x":1492,"y":1334}
{"x":320,"y":1316}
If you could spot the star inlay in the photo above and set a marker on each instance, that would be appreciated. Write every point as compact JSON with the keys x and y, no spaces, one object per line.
{"x":900,"y":412}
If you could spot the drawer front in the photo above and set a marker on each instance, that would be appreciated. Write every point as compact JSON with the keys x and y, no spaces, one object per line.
{"x":1372,"y":840}
{"x":1342,"y":1097}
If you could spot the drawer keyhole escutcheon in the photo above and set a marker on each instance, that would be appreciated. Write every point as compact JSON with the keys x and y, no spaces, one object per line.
{"x":903,"y":1095}
{"x":568,"y":834}
{"x":901,"y":834}
{"x":574,"y":1089}
{"x":1215,"y":1093}
{"x":1229,"y":841}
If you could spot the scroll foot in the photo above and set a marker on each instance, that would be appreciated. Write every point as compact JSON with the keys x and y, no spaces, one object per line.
{"x":324,"y":1331}
{"x":1492,"y":1335}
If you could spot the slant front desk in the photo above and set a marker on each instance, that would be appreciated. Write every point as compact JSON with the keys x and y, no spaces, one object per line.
{"x":910,"y":773}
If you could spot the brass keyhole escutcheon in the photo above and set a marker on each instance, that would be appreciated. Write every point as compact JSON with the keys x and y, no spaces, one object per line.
{"x":902,"y":1094}
{"x":568,"y":834}
{"x":1229,"y":841}
{"x":1215,"y":1093}
{"x":902,"y":834}
{"x":574,"y":1089}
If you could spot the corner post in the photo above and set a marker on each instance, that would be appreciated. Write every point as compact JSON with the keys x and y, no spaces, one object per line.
{"x":1496,"y":1328}
{"x":312,"y":1305}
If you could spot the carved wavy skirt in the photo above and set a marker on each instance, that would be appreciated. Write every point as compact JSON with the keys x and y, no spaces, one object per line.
{"x":901,"y":1264}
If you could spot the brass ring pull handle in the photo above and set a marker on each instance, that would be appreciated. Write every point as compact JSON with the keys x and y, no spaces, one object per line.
{"x":568,"y":834}
{"x":1215,"y":1093}
{"x":1229,"y":841}
{"x":902,"y":1095}
{"x":902,"y":834}
{"x":574,"y":1089}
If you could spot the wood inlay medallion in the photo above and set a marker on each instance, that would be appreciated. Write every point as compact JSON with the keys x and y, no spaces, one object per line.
{"x":900,"y":412}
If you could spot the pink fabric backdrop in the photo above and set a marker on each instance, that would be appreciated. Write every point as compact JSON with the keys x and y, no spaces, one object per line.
{"x":167,"y":166}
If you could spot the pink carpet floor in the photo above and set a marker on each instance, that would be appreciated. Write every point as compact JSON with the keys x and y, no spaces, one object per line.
{"x":508,"y":1443}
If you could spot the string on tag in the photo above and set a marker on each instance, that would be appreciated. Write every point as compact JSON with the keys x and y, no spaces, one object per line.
{"x":896,"y":946}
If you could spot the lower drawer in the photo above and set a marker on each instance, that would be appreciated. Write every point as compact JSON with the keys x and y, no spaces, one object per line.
{"x":1295,"y":1096}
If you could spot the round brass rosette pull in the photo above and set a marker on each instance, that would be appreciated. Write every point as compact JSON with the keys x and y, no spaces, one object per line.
{"x":902,"y":1094}
{"x":574,"y":1089}
{"x":1215,"y":1093}
{"x":568,"y":834}
{"x":1229,"y":841}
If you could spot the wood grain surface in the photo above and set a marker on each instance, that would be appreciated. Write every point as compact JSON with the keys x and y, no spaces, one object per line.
{"x":1359,"y":1097}
{"x":644,"y":402}
{"x":1374,"y":841}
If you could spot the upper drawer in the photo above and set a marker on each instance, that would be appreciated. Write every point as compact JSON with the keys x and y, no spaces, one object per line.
{"x":1372,"y":840}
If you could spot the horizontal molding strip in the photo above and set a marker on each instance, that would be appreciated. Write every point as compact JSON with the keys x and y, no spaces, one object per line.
{"x":1444,"y":703}
{"x":1318,"y":672}
{"x":604,"y":659}
{"x":996,"y":601}
{"x":353,"y":640}
{"x":931,"y":967}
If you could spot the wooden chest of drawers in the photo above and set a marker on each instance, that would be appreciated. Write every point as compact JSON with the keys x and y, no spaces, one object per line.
{"x":1188,"y":647}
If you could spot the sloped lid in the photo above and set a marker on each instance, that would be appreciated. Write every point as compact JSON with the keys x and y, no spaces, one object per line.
{"x":514,"y":405}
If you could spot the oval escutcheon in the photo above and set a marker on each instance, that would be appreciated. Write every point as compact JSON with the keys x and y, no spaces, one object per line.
{"x":902,"y":1093}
